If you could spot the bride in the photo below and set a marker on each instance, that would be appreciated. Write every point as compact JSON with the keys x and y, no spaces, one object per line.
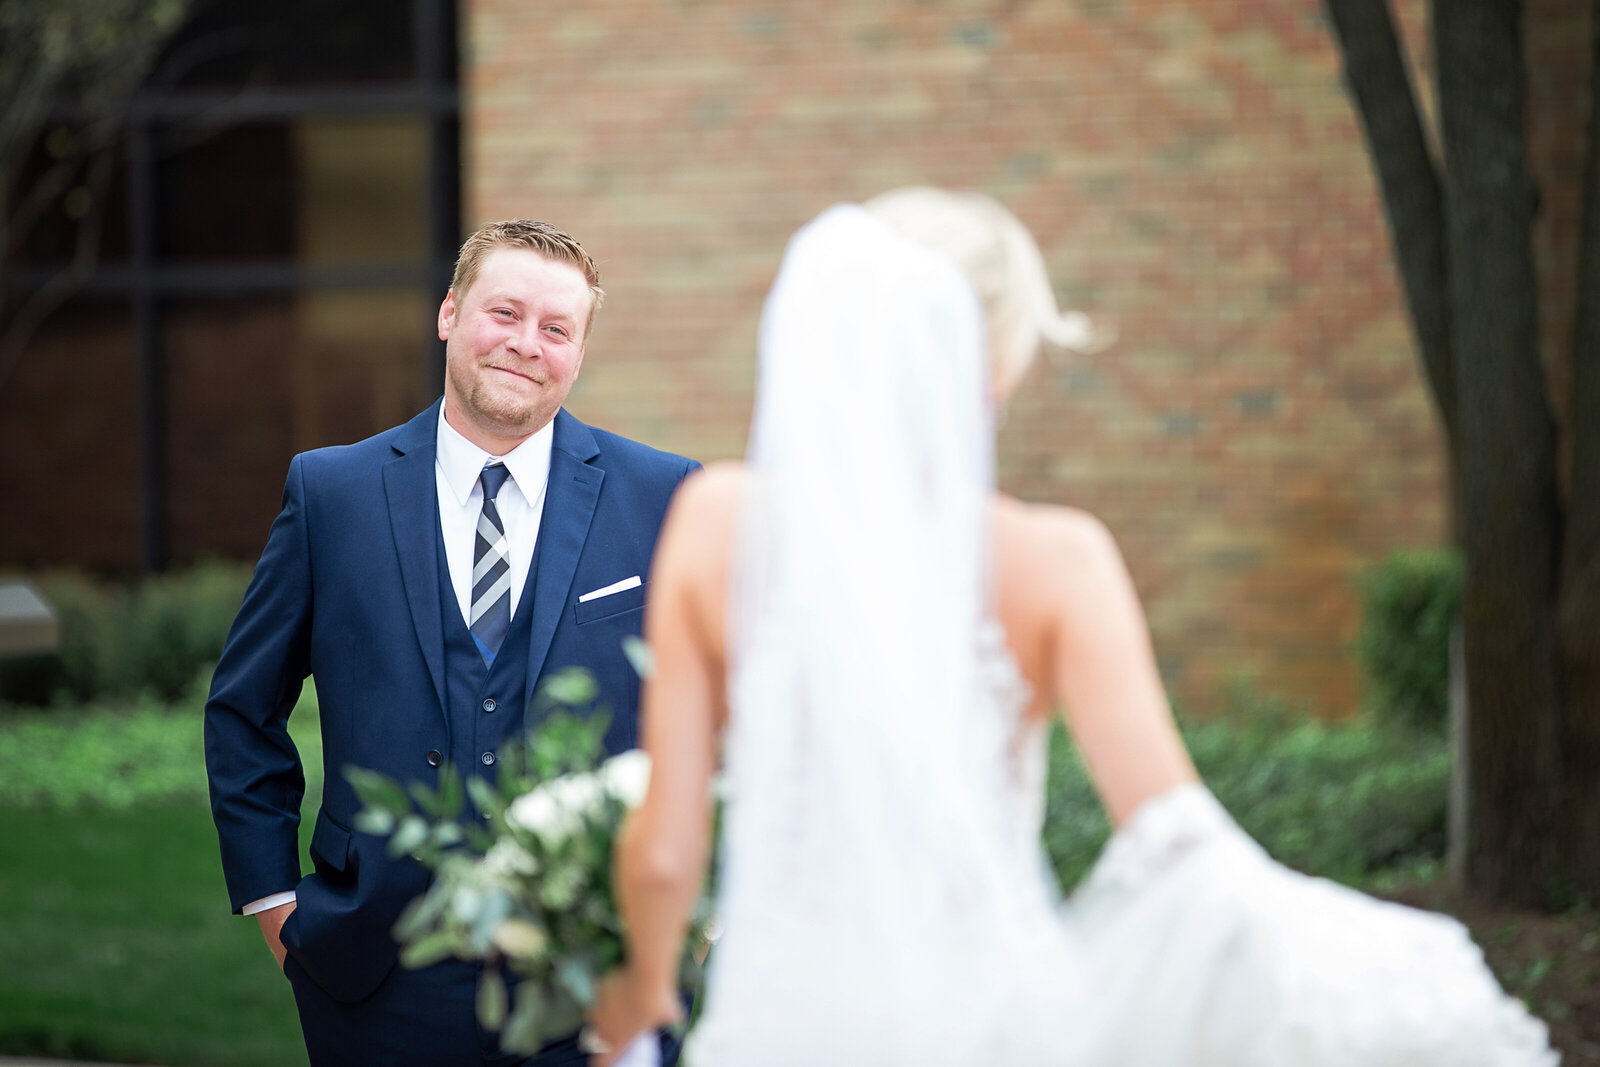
{"x":870,"y":641}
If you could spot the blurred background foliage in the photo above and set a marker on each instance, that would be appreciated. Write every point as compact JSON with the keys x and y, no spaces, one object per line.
{"x":157,"y":637}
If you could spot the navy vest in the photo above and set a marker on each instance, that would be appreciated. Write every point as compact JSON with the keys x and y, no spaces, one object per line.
{"x":483,"y":704}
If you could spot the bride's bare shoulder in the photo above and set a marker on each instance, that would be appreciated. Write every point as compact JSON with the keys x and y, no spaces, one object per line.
{"x":716,"y":485}
{"x":1057,"y":563}
{"x":1051,"y":538}
{"x":704,"y":507}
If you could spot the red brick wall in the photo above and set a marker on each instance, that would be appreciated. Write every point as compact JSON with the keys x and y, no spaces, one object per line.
{"x":1194,"y":174}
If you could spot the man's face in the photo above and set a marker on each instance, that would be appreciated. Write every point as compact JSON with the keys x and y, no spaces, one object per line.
{"x":513,"y":345}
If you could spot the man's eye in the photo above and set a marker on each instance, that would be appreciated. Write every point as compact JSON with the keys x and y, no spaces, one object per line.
{"x":504,"y":313}
{"x":559,"y":331}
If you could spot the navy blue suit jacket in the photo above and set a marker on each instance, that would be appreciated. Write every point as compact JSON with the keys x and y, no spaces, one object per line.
{"x":347,"y":591}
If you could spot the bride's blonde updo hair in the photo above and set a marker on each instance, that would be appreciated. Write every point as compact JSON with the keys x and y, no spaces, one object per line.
{"x":1001,"y":259}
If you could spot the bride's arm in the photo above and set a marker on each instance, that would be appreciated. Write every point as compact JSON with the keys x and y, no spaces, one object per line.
{"x":662,"y":852}
{"x":1104,"y":671}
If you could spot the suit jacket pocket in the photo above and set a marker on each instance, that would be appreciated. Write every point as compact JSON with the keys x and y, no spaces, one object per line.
{"x":330,"y":845}
{"x":606,"y":606}
{"x":335,"y":937}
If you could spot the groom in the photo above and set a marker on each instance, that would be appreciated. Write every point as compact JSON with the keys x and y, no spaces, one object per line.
{"x":426,"y":578}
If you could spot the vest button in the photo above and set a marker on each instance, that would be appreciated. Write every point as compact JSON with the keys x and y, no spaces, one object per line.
{"x":489,"y":705}
{"x":435,"y":757}
{"x":488,"y":759}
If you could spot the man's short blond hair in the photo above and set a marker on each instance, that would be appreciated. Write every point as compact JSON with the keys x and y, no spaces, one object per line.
{"x":555,"y":245}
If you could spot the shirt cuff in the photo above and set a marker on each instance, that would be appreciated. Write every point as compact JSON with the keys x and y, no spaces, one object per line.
{"x":276,"y":900}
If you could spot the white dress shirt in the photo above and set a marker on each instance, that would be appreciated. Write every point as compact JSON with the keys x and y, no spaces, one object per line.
{"x":520,"y":503}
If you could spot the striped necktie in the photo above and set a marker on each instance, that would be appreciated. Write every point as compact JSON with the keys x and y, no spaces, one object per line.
{"x":490,"y":615}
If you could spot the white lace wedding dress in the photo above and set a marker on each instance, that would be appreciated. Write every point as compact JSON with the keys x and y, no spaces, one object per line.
{"x":884,"y":897}
{"x":1186,"y":946}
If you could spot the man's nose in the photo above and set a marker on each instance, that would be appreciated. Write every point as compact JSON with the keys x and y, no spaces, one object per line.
{"x":526,"y":341}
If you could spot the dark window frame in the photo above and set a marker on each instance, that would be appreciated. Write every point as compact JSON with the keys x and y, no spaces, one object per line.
{"x":150,"y":282}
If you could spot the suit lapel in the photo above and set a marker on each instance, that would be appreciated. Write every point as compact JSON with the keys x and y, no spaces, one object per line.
{"x":412,"y":490}
{"x":569,"y":503}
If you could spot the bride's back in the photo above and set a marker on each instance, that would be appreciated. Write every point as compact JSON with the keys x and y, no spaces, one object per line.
{"x":1061,"y":595}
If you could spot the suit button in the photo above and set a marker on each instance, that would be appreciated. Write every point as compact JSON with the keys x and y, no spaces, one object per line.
{"x":488,"y":759}
{"x":435,"y":757}
{"x":489,"y":705}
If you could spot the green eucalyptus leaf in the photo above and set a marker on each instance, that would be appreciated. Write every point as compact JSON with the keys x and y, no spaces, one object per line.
{"x":494,"y":910}
{"x":563,"y":1015}
{"x":421,"y":915}
{"x":492,"y":1000}
{"x":466,"y":902}
{"x":451,"y":797}
{"x":571,"y":686}
{"x":427,"y":799}
{"x":376,"y":821}
{"x":524,"y":1030}
{"x":514,"y":779}
{"x":574,"y":976}
{"x":378,"y":791}
{"x":446,"y":834}
{"x":426,"y":951}
{"x":412,"y":831}
{"x":521,"y":1034}
{"x":489,"y":803}
{"x":639,"y":655}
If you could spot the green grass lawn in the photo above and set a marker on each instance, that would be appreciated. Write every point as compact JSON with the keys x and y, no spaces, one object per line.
{"x":121,"y":946}
{"x":118,"y":943}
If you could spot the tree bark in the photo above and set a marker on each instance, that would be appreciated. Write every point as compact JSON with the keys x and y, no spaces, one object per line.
{"x":1580,"y":579}
{"x":1510,"y":511}
{"x":1375,"y":75}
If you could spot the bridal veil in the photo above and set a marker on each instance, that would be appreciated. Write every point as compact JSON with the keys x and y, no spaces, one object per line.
{"x":875,"y":893}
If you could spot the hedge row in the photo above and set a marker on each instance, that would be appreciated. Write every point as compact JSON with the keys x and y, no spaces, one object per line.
{"x":156,"y":636}
{"x":118,"y":641}
{"x":1359,"y":802}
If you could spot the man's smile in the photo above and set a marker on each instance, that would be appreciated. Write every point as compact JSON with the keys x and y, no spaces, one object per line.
{"x":516,"y":373}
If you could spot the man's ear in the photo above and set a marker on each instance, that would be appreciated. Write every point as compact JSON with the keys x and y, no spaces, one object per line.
{"x":447,"y":315}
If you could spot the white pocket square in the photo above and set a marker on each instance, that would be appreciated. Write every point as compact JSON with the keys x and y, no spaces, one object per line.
{"x":614,"y":587}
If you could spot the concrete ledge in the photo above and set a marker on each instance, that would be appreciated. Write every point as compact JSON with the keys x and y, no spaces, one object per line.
{"x":28,"y":624}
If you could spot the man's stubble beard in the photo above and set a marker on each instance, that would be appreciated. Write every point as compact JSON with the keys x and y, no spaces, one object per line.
{"x":497,"y":413}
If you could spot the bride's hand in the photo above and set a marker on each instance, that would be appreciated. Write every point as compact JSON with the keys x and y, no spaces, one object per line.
{"x":622,"y":1012}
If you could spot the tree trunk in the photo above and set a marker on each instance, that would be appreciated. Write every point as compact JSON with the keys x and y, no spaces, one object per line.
{"x":1580,"y":584}
{"x":1510,"y":512}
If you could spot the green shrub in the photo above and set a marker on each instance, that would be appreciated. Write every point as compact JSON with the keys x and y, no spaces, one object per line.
{"x":1409,"y":605}
{"x":181,"y":621}
{"x":141,"y":752}
{"x":118,"y":641}
{"x":1357,"y":802}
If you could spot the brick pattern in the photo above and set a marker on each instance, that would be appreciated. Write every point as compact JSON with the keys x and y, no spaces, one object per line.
{"x":1258,"y":434}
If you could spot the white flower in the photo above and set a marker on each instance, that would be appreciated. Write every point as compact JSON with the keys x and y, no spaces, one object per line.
{"x":555,"y":810}
{"x":627,"y":776}
{"x":507,"y":859}
{"x":520,"y":939}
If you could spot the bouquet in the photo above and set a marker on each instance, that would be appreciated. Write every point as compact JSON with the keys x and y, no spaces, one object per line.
{"x":526,"y":888}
